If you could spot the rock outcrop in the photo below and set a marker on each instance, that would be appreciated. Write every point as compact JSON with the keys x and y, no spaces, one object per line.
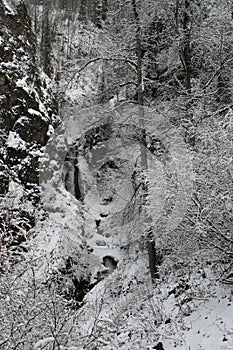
{"x":27,"y":111}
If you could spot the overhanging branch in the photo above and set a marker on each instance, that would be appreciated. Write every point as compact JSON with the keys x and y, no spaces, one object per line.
{"x":107,"y":59}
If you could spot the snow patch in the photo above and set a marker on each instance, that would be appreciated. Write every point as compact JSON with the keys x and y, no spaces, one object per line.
{"x":50,"y":130}
{"x":34,"y":112}
{"x":22,"y":83}
{"x":44,"y":342}
{"x":9,"y":6}
{"x":14,"y":141}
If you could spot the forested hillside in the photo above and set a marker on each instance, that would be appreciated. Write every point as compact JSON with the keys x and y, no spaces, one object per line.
{"x":116,"y":174}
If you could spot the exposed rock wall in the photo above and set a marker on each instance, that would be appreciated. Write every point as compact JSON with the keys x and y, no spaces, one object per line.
{"x":27,"y":111}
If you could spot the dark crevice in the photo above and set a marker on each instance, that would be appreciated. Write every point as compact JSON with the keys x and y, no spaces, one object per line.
{"x":77,"y":191}
{"x":110,"y":263}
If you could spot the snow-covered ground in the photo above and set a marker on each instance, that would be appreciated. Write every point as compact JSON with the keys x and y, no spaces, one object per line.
{"x":125,"y":312}
{"x":186,"y":311}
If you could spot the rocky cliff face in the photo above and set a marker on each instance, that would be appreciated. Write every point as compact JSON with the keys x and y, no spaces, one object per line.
{"x":27,"y":112}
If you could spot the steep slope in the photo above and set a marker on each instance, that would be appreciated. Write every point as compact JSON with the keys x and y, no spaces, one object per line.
{"x":27,"y":110}
{"x":84,"y":283}
{"x":128,"y":312}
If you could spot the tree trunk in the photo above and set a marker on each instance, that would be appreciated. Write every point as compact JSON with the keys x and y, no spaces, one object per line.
{"x":143,"y":144}
{"x":104,"y":9}
{"x":187,"y":46}
{"x":185,"y":50}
